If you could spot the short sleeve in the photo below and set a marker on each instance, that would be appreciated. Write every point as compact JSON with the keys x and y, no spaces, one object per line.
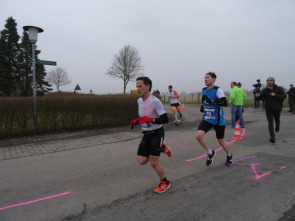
{"x":158,"y":106}
{"x":220,"y":93}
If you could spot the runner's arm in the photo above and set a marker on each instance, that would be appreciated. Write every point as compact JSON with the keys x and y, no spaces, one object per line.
{"x":176,"y":95}
{"x":163,"y":119}
{"x":221,"y":102}
{"x":281,"y":95}
{"x":259,"y":96}
{"x":222,"y":99}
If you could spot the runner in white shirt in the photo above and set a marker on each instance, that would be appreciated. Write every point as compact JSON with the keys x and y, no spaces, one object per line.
{"x":151,"y":117}
{"x":174,"y":102}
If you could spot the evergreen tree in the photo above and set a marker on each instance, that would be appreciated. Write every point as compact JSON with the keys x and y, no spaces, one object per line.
{"x":9,"y":49}
{"x":16,"y":77}
{"x":5,"y":77}
{"x":24,"y":84}
{"x":25,"y":80}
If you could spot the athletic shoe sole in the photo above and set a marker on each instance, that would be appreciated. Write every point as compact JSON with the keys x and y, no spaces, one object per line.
{"x":229,"y":164}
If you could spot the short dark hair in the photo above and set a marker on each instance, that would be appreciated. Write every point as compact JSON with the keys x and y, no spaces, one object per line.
{"x":146,"y":81}
{"x":271,"y":78}
{"x":234,"y":83}
{"x":212,"y":74}
{"x":170,"y":86}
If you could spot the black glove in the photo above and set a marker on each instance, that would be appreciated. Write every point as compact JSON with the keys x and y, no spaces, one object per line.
{"x":207,"y":99}
{"x":202,"y":108}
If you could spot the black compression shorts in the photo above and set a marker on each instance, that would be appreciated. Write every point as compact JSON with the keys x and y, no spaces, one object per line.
{"x":151,"y":143}
{"x":219,"y":130}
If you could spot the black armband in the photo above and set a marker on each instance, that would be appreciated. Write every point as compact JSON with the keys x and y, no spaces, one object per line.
{"x":221,"y":102}
{"x":163,"y":119}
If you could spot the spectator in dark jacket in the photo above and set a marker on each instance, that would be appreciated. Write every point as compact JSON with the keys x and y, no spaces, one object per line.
{"x":274,"y":97}
{"x":291,"y":95}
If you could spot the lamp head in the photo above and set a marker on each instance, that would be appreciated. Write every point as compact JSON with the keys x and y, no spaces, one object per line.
{"x":33,"y":32}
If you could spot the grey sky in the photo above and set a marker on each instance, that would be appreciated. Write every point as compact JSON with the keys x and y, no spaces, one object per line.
{"x":179,"y":40}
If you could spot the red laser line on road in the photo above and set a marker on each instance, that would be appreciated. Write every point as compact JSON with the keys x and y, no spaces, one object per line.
{"x":254,"y":169}
{"x":34,"y":201}
{"x":206,"y":154}
{"x":243,"y":158}
{"x":264,"y":174}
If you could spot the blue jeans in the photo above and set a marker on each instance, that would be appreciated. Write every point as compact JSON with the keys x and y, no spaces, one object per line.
{"x":237,"y":109}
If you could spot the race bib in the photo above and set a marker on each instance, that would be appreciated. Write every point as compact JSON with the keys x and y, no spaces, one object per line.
{"x":209,"y":113}
{"x":146,"y":125}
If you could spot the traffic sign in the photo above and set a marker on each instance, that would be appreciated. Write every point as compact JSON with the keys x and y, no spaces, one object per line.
{"x":77,"y":88}
{"x":46,"y":62}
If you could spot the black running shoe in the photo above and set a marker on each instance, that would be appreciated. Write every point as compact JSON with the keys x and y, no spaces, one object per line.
{"x":210,"y":158}
{"x":180,"y":115}
{"x":229,"y":161}
{"x":272,"y":140}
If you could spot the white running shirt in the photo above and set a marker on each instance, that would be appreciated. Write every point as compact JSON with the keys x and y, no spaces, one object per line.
{"x":220,"y":93}
{"x":173,"y":100}
{"x":151,"y":107}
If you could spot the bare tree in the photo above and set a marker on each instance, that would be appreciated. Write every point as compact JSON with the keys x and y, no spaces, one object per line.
{"x":126,"y":65}
{"x":58,"y":77}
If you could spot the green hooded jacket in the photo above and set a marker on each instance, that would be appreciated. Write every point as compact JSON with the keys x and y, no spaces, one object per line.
{"x":237,"y":96}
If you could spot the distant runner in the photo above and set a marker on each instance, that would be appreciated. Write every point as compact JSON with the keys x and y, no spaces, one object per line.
{"x":174,"y":102}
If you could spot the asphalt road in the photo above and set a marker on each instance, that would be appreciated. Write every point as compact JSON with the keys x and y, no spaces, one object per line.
{"x":94,"y":175}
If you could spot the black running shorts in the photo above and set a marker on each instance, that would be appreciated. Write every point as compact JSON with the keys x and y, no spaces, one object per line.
{"x":175,"y":105}
{"x":219,"y":130}
{"x":151,"y":143}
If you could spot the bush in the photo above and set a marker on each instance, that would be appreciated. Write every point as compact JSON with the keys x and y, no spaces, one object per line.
{"x":65,"y":112}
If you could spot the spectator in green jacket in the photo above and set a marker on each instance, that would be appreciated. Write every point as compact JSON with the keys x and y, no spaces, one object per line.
{"x":237,"y":97}
{"x":239,"y":85}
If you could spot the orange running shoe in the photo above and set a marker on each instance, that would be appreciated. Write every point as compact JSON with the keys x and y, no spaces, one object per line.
{"x":166,"y":150}
{"x":163,"y":186}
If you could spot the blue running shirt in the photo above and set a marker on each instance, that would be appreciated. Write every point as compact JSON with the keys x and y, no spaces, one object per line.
{"x":213,"y":114}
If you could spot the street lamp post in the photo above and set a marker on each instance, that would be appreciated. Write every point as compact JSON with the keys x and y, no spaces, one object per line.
{"x":33,"y":34}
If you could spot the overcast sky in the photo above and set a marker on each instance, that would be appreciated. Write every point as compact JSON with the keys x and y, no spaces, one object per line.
{"x":179,"y":41}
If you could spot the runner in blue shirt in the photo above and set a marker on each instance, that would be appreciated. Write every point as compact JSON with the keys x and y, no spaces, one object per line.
{"x":213,"y":99}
